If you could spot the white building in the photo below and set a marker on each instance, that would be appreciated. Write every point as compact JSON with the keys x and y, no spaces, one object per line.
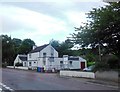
{"x":73,"y":62}
{"x":21,"y":59}
{"x":43,"y":56}
{"x":46,"y":56}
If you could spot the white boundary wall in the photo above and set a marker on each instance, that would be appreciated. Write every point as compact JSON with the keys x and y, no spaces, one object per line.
{"x":23,"y":68}
{"x":77,"y":74}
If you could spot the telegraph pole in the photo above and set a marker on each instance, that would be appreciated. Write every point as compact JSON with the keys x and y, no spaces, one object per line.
{"x":99,"y":51}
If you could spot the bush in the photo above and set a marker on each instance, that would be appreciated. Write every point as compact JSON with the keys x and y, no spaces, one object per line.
{"x":4,"y":65}
{"x":90,"y":64}
{"x":109,"y":62}
{"x":18,"y":64}
{"x":113,"y":62}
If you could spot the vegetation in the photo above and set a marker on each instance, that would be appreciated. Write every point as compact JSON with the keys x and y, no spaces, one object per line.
{"x":103,"y":31}
{"x":99,"y":40}
{"x":12,"y":47}
{"x":18,"y":64}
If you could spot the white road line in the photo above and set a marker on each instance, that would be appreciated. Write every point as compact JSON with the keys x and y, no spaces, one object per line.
{"x":116,"y":87}
{"x":8,"y":88}
{"x":0,"y":89}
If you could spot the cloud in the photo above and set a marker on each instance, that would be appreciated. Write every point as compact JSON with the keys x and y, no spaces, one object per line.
{"x":42,"y":21}
{"x":19,"y":18}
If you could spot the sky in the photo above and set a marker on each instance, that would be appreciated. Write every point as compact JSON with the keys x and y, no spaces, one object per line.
{"x":44,"y":20}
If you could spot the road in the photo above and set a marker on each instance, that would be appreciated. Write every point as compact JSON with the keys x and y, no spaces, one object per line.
{"x":31,"y":80}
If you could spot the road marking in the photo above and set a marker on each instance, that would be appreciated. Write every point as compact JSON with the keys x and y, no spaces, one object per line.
{"x":116,"y":87}
{"x":0,"y":89}
{"x":8,"y":88}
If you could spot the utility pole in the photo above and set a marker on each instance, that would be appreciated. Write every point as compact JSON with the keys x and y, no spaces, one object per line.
{"x":99,"y":51}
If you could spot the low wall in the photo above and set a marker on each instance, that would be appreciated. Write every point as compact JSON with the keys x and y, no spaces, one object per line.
{"x":24,"y":68}
{"x":77,"y":74}
{"x":107,"y":75}
{"x":10,"y":66}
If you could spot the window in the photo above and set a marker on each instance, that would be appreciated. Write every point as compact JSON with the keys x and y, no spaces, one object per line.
{"x":70,"y":63}
{"x":30,"y":55}
{"x":44,"y":62}
{"x":34,"y":62}
{"x":51,"y":54}
{"x":44,"y":54}
{"x":61,"y":65}
{"x":29,"y":63}
{"x":24,"y":63}
{"x":61,"y":62}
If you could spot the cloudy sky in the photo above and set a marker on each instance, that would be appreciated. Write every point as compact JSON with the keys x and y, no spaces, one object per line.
{"x":44,"y":20}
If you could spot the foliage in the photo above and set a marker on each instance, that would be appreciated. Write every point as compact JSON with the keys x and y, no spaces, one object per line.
{"x":4,"y":65}
{"x":63,"y":48}
{"x":103,"y":28}
{"x":55,"y":44}
{"x":19,"y":64}
{"x":108,"y":62}
{"x":26,"y":46}
{"x":90,"y":64}
{"x":7,"y":50}
{"x":12,"y":47}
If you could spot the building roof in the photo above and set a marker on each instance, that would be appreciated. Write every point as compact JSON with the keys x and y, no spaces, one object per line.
{"x":38,"y":49}
{"x":76,"y":58}
{"x":73,"y":58}
{"x":23,"y":58}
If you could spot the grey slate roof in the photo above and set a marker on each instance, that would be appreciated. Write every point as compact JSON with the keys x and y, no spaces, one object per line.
{"x":38,"y":49}
{"x":23,"y":58}
{"x":73,"y":58}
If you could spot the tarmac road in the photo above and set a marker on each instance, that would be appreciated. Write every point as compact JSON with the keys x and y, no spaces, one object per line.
{"x":31,"y":80}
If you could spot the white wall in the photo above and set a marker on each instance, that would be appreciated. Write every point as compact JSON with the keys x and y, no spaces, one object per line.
{"x":48,"y":51}
{"x":34,"y":56}
{"x":75,"y":65}
{"x":77,"y":74}
{"x":25,"y":64}
{"x":17,"y":60}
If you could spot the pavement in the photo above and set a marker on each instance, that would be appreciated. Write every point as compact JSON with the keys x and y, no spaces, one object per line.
{"x":32,"y":80}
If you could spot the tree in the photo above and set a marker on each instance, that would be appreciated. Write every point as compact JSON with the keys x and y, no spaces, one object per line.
{"x":17,"y":43}
{"x":63,"y":48}
{"x":55,"y":44}
{"x":7,"y":50}
{"x":26,"y":46}
{"x":103,"y":28}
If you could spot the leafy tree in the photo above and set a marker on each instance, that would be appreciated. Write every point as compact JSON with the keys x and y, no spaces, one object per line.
{"x":63,"y":48}
{"x":17,"y":43}
{"x":26,"y":46}
{"x":7,"y":50}
{"x":103,"y":28}
{"x":55,"y":44}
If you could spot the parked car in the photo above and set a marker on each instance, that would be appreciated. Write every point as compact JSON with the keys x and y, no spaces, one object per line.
{"x":89,"y":69}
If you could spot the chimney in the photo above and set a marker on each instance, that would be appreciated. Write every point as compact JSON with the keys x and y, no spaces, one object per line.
{"x":34,"y":47}
{"x":65,"y":57}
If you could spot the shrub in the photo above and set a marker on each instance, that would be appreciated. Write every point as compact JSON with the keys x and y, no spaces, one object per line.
{"x":113,"y":62}
{"x":18,"y":64}
{"x":4,"y":65}
{"x":90,"y":64}
{"x":109,"y":62}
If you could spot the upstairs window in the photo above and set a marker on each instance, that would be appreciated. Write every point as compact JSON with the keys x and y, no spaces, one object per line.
{"x":30,"y":55}
{"x":51,"y":54}
{"x":44,"y":62}
{"x":29,"y":63}
{"x":44,"y":54}
{"x":61,"y":62}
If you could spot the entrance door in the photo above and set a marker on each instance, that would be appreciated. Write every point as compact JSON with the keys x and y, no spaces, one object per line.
{"x":82,"y":65}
